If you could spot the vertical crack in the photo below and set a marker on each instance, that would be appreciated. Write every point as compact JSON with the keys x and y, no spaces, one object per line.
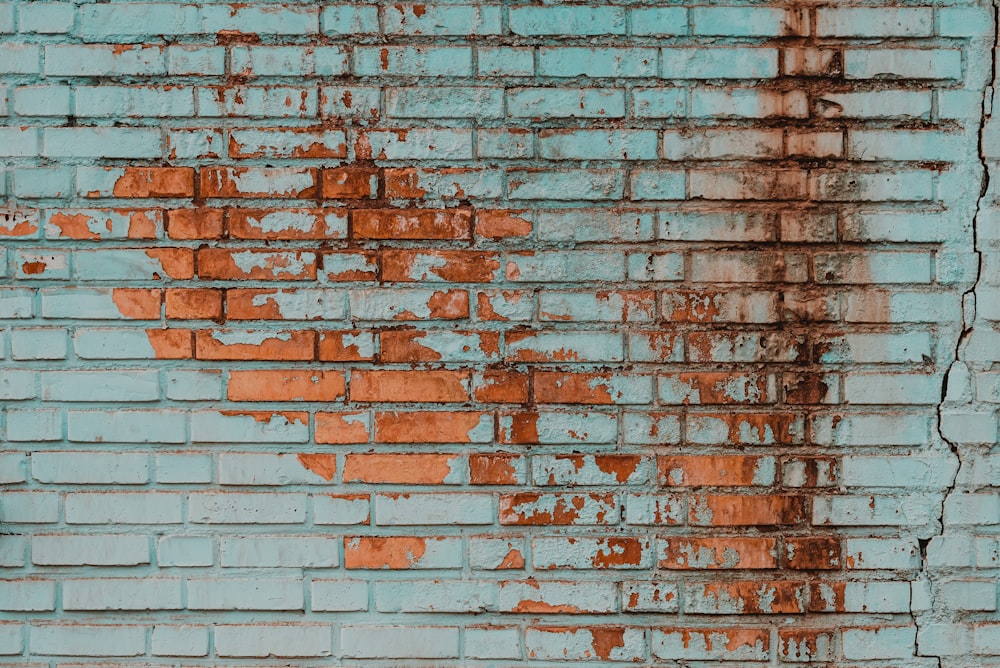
{"x":968,"y":311}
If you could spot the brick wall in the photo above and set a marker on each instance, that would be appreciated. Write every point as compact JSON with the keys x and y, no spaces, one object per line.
{"x":499,"y":334}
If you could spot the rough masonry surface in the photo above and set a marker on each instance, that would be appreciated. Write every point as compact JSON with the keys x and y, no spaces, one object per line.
{"x":503,"y":334}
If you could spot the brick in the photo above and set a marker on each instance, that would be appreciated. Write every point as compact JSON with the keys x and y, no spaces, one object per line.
{"x":81,"y":640}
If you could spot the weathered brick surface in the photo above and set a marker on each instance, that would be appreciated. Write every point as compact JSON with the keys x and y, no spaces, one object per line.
{"x":499,"y":334}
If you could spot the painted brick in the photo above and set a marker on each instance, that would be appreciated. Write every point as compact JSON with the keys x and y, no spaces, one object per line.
{"x":566,"y":333}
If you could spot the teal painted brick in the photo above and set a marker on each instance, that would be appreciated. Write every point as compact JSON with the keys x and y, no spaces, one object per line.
{"x":133,"y":101}
{"x":748,"y":103}
{"x":119,"y":385}
{"x":185,"y":551}
{"x":43,"y":265}
{"x":719,"y":63}
{"x":964,"y":21}
{"x":264,"y":469}
{"x":417,"y":642}
{"x":18,"y":142}
{"x":6,"y":17}
{"x":441,"y":102}
{"x":583,"y":225}
{"x":339,"y":595}
{"x":576,"y":184}
{"x":246,"y":508}
{"x":659,"y":20}
{"x":904,"y":145}
{"x":597,"y":62}
{"x":20,"y":59}
{"x":13,"y":551}
{"x":749,"y":21}
{"x":597,"y":144}
{"x":569,"y":427}
{"x":31,"y":508}
{"x":50,"y":100}
{"x":90,"y":468}
{"x":593,"y":596}
{"x":885,"y":104}
{"x":568,"y":266}
{"x":900,"y":186}
{"x":884,"y":643}
{"x":196,"y":60}
{"x":112,"y":344}
{"x":87,"y":640}
{"x":89,"y":550}
{"x":422,"y":144}
{"x":505,"y":61}
{"x":27,"y":596}
{"x":589,"y":307}
{"x":16,"y":384}
{"x":567,"y":20}
{"x":38,"y":343}
{"x":135,"y":22}
{"x":237,"y":594}
{"x":649,"y":429}
{"x":565,"y":103}
{"x":49,"y":18}
{"x":459,"y":20}
{"x":903,"y":63}
{"x":34,"y":425}
{"x":101,"y":143}
{"x":889,"y":267}
{"x":279,"y":551}
{"x":183,"y":468}
{"x":121,"y":594}
{"x":193,"y":385}
{"x":586,"y":553}
{"x":439,"y":596}
{"x":82,"y":61}
{"x":716,"y":226}
{"x":349,"y":19}
{"x":350,"y":101}
{"x":126,"y":426}
{"x":875,"y":22}
{"x":13,"y":468}
{"x":41,"y":183}
{"x":410,"y":61}
{"x":659,"y":102}
{"x":434,"y":509}
{"x":882,"y":553}
{"x":492,"y":643}
{"x":658,"y":184}
{"x":119,"y":265}
{"x":298,"y":640}
{"x":257,"y":102}
{"x":216,"y":427}
{"x":11,"y":638}
{"x":260,"y":20}
{"x":289,"y":60}
{"x":670,"y":644}
{"x":186,"y":640}
{"x":504,"y":144}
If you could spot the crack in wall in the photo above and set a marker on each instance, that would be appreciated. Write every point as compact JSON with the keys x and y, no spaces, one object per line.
{"x":927,"y":574}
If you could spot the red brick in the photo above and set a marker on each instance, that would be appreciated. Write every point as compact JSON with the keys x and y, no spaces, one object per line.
{"x":350,"y":183}
{"x":290,"y":385}
{"x":142,"y":182}
{"x":286,"y":224}
{"x":397,"y":386}
{"x":454,"y":266}
{"x":402,"y":468}
{"x":342,"y":428}
{"x":695,"y":552}
{"x":747,"y":510}
{"x":221,"y":264}
{"x":709,"y":470}
{"x":272,"y":346}
{"x":195,"y":223}
{"x":494,"y":469}
{"x":193,"y":303}
{"x":812,"y":552}
{"x":411,"y":223}
{"x":426,"y":426}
